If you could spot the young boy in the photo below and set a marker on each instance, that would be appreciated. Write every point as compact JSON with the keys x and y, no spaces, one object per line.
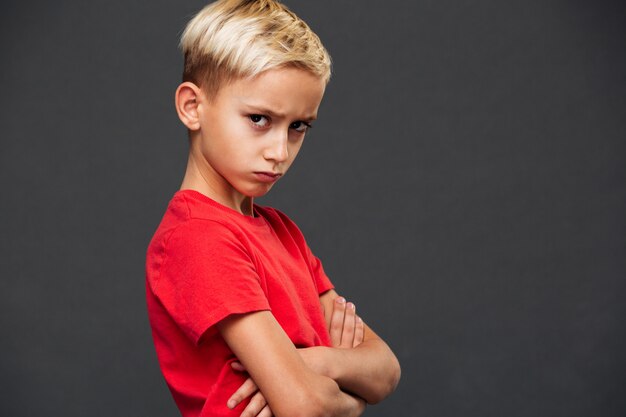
{"x":244,"y":319}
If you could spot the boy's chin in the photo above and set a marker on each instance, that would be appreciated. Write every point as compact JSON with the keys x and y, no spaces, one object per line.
{"x":258,"y":192}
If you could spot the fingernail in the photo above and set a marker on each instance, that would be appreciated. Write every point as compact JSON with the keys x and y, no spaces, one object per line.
{"x":231,"y":404}
{"x":341,"y":300}
{"x":359,"y":320}
{"x":351,"y":306}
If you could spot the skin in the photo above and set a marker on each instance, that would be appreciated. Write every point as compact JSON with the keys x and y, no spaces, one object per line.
{"x":250,"y":127}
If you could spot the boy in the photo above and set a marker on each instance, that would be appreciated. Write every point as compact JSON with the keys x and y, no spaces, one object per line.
{"x":244,"y":319}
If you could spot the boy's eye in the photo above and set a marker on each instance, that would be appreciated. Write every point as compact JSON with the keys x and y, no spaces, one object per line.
{"x":259,"y":120}
{"x":300,"y":126}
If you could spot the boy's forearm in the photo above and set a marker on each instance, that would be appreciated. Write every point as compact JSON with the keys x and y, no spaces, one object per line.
{"x":369,"y":370}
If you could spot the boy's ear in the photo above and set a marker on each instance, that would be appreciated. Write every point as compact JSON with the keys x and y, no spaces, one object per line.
{"x":186,"y":100}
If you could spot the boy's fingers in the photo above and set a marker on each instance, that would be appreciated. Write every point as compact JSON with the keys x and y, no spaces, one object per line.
{"x":359,"y":332}
{"x":265,"y":412}
{"x":255,"y":406}
{"x":244,"y":391}
{"x":349,"y":324}
{"x":336,"y":321}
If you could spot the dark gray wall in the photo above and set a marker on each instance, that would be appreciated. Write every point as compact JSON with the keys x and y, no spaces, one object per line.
{"x":465,"y":186}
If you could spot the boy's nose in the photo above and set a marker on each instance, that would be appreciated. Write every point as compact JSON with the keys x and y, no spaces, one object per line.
{"x":277,"y":149}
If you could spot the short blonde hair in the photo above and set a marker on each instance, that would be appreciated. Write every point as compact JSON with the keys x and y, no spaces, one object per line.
{"x":231,"y":39}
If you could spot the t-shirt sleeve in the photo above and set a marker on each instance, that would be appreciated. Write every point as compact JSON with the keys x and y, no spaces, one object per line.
{"x":322,"y":282}
{"x":206,"y":276}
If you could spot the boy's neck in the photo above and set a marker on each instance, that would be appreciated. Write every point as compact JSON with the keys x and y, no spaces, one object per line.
{"x":195,"y":180}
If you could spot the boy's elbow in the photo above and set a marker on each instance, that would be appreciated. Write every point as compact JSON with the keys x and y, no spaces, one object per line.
{"x":388,"y":384}
{"x":394,"y":376}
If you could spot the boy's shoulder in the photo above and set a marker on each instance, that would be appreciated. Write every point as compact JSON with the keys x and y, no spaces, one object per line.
{"x":196,"y":206}
{"x":193,"y":226}
{"x":191,"y":212}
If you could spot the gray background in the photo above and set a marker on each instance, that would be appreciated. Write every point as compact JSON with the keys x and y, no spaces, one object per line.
{"x":465,"y":185}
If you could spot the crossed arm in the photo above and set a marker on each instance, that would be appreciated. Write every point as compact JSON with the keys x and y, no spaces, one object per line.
{"x":328,"y":381}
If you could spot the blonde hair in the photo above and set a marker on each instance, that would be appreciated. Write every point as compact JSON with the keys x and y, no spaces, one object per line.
{"x":231,"y":39}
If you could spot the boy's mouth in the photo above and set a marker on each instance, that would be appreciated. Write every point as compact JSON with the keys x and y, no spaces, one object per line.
{"x":267,"y":176}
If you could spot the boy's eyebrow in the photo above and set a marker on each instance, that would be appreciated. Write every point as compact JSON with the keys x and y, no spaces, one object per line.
{"x":264,"y":110}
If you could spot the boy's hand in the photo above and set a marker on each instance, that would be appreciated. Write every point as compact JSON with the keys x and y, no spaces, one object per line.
{"x":257,"y":407}
{"x":346,"y":328}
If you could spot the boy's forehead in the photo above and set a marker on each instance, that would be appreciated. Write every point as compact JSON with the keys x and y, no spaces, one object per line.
{"x":280,"y":92}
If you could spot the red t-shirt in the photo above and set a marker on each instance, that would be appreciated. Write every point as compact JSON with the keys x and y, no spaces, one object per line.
{"x":206,"y":262}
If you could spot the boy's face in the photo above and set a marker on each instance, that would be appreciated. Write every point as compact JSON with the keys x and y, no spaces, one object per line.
{"x":252,"y":130}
